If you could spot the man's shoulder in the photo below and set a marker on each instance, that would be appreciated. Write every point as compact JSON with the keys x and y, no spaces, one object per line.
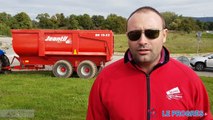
{"x":114,"y":66}
{"x":184,"y":69}
{"x":179,"y":64}
{"x":117,"y":69}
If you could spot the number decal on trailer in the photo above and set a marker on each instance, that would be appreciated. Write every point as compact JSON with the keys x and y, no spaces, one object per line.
{"x":102,"y":35}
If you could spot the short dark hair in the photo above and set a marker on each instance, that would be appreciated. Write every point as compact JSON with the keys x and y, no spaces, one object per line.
{"x":147,"y":8}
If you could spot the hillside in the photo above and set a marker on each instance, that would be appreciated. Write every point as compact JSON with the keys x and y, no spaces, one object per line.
{"x":204,"y":19}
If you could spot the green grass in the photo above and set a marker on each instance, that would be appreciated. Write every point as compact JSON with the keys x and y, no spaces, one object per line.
{"x":120,"y":44}
{"x":176,"y":43}
{"x":208,"y":82}
{"x":52,"y":98}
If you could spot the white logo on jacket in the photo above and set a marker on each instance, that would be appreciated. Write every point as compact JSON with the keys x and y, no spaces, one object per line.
{"x":174,"y":93}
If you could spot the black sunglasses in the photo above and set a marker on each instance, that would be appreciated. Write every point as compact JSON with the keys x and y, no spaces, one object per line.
{"x":149,"y":33}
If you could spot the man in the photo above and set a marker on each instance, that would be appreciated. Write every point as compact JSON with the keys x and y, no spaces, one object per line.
{"x":147,"y":83}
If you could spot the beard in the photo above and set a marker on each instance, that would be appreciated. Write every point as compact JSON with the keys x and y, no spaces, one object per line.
{"x":145,"y":56}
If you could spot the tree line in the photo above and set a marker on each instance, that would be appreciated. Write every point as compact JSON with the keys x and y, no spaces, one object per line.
{"x":112,"y":22}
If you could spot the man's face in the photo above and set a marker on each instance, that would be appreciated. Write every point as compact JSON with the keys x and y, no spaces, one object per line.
{"x":146,"y":50}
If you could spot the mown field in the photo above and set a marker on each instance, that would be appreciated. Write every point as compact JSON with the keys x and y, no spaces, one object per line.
{"x":52,"y":98}
{"x":176,"y":42}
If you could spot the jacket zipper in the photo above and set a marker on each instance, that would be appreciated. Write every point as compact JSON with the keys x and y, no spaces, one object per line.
{"x":148,"y":96}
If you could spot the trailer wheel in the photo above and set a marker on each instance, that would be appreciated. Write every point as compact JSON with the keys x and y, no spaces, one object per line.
{"x":87,"y":69}
{"x":62,"y":68}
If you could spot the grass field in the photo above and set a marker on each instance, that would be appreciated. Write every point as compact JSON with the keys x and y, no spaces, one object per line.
{"x":52,"y":98}
{"x":177,"y":43}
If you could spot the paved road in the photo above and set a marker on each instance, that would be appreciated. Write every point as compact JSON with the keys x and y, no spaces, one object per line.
{"x":7,"y":45}
{"x":206,"y":72}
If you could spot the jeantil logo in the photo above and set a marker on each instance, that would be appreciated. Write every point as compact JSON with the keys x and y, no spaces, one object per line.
{"x":174,"y":93}
{"x":59,"y":39}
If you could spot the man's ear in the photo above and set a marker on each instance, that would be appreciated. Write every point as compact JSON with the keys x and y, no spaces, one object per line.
{"x":165,"y":33}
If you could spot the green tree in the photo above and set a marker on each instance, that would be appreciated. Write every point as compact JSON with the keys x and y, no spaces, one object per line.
{"x":209,"y":25}
{"x":35,"y":24}
{"x":45,"y":21}
{"x":53,"y":20}
{"x":170,"y":17}
{"x":21,"y":21}
{"x":5,"y":23}
{"x":73,"y":22}
{"x":60,"y":21}
{"x":188,"y":25}
{"x":5,"y":18}
{"x":98,"y":21}
{"x":115,"y":23}
{"x":176,"y":24}
{"x":202,"y":25}
{"x":4,"y":29}
{"x":85,"y":22}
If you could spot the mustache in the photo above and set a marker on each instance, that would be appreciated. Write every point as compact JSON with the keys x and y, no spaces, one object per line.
{"x":142,"y":47}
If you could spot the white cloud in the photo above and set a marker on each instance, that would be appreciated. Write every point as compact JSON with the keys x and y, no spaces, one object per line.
{"x":105,"y":7}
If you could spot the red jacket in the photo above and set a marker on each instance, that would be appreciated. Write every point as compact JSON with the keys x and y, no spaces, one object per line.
{"x":172,"y":91}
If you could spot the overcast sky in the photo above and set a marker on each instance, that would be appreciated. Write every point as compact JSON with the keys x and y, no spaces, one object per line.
{"x":192,"y":8}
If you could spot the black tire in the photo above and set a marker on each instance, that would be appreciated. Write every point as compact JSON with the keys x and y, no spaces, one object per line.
{"x":100,"y":68}
{"x":199,"y":66}
{"x":5,"y":61}
{"x":87,"y":69}
{"x":0,"y":66}
{"x":62,"y":68}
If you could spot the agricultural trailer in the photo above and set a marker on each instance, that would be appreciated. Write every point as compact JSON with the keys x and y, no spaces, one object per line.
{"x":67,"y":51}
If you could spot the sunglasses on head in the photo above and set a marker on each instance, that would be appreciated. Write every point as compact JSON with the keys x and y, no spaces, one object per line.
{"x":149,"y":33}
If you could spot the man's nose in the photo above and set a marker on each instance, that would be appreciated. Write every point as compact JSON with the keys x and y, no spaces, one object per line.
{"x":142,"y":40}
